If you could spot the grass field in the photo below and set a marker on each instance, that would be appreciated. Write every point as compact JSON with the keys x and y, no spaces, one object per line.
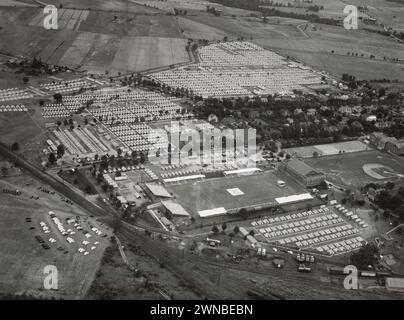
{"x":315,"y":50}
{"x":18,"y":127}
{"x":213,"y":193}
{"x":140,"y":53}
{"x":129,"y":24}
{"x":327,"y":38}
{"x":362,"y":69}
{"x":23,"y":258}
{"x":349,"y":169}
{"x":196,"y":30}
{"x":105,"y":5}
{"x":192,"y":6}
{"x":23,"y":3}
{"x":390,"y":13}
{"x":250,"y":27}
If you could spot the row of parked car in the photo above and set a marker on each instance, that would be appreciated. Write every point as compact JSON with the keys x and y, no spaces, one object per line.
{"x":123,"y":169}
{"x":42,"y":242}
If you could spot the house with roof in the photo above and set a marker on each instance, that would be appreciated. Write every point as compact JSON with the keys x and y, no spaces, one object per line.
{"x":172,"y":208}
{"x":311,"y":112}
{"x":375,"y":137}
{"x":345,"y":110}
{"x":389,"y":144}
{"x":303,"y":173}
{"x":382,"y":125}
{"x":396,"y":147}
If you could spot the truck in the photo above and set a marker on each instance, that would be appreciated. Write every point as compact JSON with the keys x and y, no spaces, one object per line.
{"x":303,"y":268}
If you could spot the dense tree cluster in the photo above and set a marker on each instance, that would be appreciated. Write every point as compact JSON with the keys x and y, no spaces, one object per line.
{"x":365,"y":256}
{"x":256,"y":5}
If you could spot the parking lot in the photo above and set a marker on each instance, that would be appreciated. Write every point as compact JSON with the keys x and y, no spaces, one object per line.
{"x":68,"y":233}
{"x":31,"y":239}
{"x":323,"y":230}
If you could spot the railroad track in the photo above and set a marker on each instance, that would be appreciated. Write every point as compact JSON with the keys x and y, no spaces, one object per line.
{"x":53,"y":182}
{"x":164,"y":294}
{"x":193,"y":270}
{"x":201,"y":273}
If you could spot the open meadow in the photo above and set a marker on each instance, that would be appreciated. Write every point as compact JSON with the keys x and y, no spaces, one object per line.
{"x":105,"y":5}
{"x":24,"y":257}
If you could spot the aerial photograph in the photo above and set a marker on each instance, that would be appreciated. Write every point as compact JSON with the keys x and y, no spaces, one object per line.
{"x":213,"y":151}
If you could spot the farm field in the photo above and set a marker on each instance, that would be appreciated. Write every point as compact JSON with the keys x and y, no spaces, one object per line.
{"x":310,"y":44}
{"x":97,"y":41}
{"x":332,"y":8}
{"x":18,"y":126}
{"x":197,"y":30}
{"x":316,"y":52}
{"x":141,"y":53}
{"x":390,"y":13}
{"x":192,"y":6}
{"x":67,"y":18}
{"x":94,"y":41}
{"x":357,"y":169}
{"x":255,"y":189}
{"x":130,"y":24}
{"x":337,"y":65}
{"x":326,"y":38}
{"x":251,"y":27}
{"x":23,"y":257}
{"x":105,"y":5}
{"x":20,"y":3}
{"x":98,"y":52}
{"x":169,"y":5}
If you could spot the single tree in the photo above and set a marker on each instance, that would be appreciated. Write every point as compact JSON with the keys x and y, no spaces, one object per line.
{"x":215,"y":229}
{"x":15,"y":147}
{"x":52,"y":158}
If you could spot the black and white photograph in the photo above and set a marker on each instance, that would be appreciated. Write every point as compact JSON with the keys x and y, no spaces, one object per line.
{"x":201,"y":155}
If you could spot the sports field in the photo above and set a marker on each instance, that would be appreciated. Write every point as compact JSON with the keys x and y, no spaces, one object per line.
{"x":233,"y":192}
{"x":356,"y":169}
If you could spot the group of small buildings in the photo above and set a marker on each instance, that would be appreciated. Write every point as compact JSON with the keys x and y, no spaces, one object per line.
{"x":386,"y":143}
